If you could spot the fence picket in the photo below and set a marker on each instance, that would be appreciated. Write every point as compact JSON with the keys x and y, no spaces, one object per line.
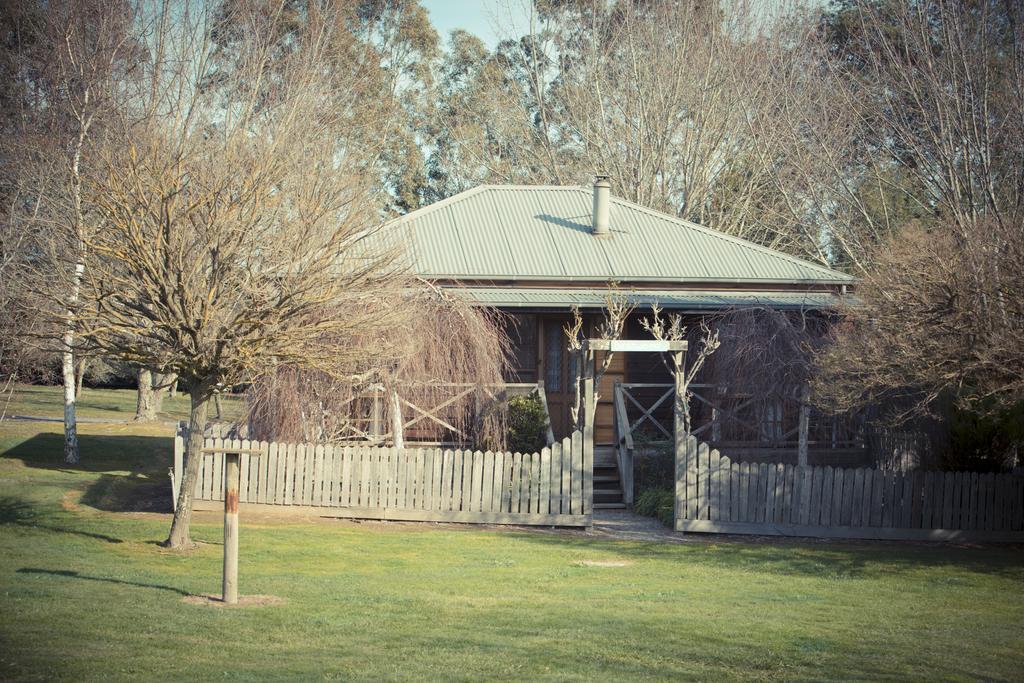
{"x":773,"y":491}
{"x":704,"y":482}
{"x":714,"y":485}
{"x":544,"y":501}
{"x":785,"y":513}
{"x":446,"y":482}
{"x":838,"y":484}
{"x":525,"y":484}
{"x":516,"y":491}
{"x":577,"y":473}
{"x":535,"y":477}
{"x":566,"y":476}
{"x":888,"y":484}
{"x":217,"y":488}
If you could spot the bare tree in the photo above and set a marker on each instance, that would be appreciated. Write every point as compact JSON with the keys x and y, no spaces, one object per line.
{"x":671,"y":328}
{"x":69,"y":56}
{"x":236,"y":215}
{"x":616,"y":311}
{"x":940,"y":304}
{"x":718,"y":113}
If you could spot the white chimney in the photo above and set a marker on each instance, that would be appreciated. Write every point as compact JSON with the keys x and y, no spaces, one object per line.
{"x":602,"y":201}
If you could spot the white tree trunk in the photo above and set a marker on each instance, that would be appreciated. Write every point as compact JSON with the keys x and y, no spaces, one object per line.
{"x":70,"y":421}
{"x":71,"y":454}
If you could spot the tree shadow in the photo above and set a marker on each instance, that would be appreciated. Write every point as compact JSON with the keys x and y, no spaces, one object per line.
{"x":133,"y":469}
{"x":17,"y":512}
{"x":70,"y":574}
{"x":809,"y":557}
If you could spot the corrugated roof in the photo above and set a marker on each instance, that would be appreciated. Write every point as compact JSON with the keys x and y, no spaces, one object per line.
{"x":561,"y":297}
{"x":504,"y":232}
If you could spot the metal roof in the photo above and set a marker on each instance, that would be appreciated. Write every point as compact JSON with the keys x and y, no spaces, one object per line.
{"x":560,"y":297}
{"x":517,"y":233}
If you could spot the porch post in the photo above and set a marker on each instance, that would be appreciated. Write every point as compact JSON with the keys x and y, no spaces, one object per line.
{"x":397,"y":435}
{"x":589,"y":413}
{"x":805,"y":418}
{"x":681,"y":438}
{"x":375,"y":414}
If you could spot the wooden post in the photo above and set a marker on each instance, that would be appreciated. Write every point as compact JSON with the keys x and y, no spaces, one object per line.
{"x":716,"y":413}
{"x":589,"y":412}
{"x":805,"y":418}
{"x":375,"y":414}
{"x":231,"y":481}
{"x":681,"y":451}
{"x":397,"y":435}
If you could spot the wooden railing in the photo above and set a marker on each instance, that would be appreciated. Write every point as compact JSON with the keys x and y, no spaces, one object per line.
{"x":729,"y":417}
{"x":624,"y":446}
{"x":397,"y":418}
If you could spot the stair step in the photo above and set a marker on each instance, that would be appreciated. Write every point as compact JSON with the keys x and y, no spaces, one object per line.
{"x":609,"y":506}
{"x":606,"y":478}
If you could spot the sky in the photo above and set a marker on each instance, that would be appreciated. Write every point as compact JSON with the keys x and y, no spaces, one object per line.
{"x":490,"y":20}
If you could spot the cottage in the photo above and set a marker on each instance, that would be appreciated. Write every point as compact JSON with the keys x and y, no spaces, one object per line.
{"x":535,"y":252}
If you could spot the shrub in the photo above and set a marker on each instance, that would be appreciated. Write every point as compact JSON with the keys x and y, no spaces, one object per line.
{"x":527,"y":424}
{"x":659,"y":503}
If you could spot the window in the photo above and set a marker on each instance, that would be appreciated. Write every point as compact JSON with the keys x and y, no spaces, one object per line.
{"x":554,"y":352}
{"x":771,"y":419}
{"x":522,"y":333}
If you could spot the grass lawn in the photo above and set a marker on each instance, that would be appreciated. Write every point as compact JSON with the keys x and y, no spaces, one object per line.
{"x":108,"y":404}
{"x":86,"y":593}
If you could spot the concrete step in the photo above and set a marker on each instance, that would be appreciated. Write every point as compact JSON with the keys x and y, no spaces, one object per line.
{"x":609,"y":506}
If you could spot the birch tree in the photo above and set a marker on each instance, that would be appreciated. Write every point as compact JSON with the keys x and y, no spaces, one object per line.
{"x":67,"y":59}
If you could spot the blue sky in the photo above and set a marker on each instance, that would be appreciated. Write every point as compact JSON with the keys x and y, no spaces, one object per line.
{"x":490,"y":20}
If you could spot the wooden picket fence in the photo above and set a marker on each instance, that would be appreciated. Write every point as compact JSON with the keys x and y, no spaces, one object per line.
{"x":552,"y":487}
{"x":714,"y":494}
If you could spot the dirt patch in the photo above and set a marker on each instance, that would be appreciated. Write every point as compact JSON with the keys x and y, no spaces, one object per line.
{"x":603,"y":563}
{"x":243,"y":601}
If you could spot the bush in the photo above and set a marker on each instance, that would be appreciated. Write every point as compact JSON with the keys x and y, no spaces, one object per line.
{"x":986,"y":442}
{"x":527,"y":424}
{"x":659,"y":503}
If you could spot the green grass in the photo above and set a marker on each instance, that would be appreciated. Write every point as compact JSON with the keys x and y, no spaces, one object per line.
{"x":86,"y":593}
{"x":107,"y":404}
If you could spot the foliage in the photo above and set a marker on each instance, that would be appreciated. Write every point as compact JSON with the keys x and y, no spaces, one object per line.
{"x":981,"y":442}
{"x":527,"y":424}
{"x":443,"y":343}
{"x":938,"y":315}
{"x":656,"y":502}
{"x":653,"y":461}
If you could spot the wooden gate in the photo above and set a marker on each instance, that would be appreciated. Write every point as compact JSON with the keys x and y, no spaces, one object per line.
{"x":552,"y":487}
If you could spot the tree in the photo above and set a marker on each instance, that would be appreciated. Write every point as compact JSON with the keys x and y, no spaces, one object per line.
{"x":939,"y":311}
{"x":64,"y":59}
{"x":723,"y":115}
{"x":236,"y":215}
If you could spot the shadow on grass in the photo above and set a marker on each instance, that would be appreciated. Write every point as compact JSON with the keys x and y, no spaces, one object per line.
{"x":132,"y":469}
{"x":17,"y":512}
{"x":69,"y":574}
{"x":809,"y":557}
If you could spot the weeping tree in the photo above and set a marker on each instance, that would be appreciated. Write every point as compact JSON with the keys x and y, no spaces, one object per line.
{"x":445,"y":359}
{"x":236,"y":211}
